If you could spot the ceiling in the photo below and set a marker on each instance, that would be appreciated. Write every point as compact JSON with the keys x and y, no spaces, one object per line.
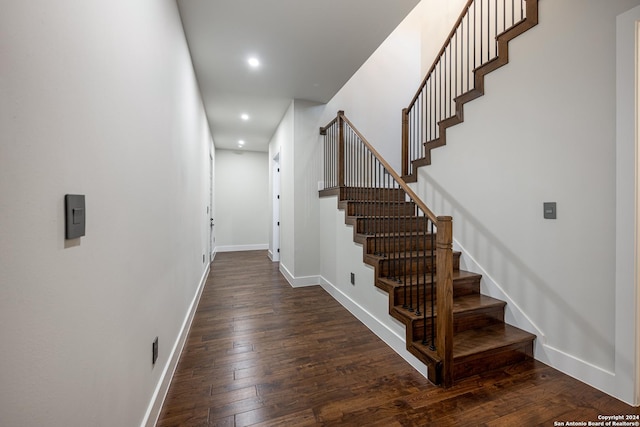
{"x":307,"y":49}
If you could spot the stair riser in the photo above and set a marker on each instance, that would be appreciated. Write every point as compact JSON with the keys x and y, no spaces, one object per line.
{"x":399,"y":268}
{"x":463,"y":321}
{"x":388,"y":245}
{"x":380,"y":209}
{"x":459,"y":290}
{"x":359,"y":194}
{"x":494,"y":359}
{"x":386,"y":225}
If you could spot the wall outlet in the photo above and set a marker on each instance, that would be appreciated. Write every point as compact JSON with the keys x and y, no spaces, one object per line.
{"x":353,"y":279}
{"x":154,"y":351}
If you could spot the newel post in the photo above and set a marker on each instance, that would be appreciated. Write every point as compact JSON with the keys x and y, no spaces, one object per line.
{"x":444,"y":290}
{"x":405,"y":142}
{"x":341,"y":148}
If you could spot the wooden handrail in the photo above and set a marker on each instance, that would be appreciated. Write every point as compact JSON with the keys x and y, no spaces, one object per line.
{"x":323,"y":129}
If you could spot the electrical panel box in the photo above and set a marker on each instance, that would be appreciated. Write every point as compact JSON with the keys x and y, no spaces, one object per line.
{"x":75,"y":216}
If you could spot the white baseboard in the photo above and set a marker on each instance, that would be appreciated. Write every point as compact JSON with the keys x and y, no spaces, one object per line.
{"x":160,"y":393}
{"x":375,"y":325}
{"x":240,"y":248}
{"x":298,"y":282}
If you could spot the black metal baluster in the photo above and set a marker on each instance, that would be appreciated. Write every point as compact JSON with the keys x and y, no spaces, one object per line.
{"x":424,"y":276}
{"x":414,"y":242}
{"x":481,"y":34}
{"x":433,"y":292}
{"x":433,"y":107}
{"x":398,"y":241}
{"x":370,"y":221}
{"x":455,"y":69}
{"x":504,"y":15}
{"x":376,"y":213}
{"x":468,"y":68}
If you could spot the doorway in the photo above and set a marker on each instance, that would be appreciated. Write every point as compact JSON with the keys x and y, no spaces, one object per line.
{"x":275,"y":179}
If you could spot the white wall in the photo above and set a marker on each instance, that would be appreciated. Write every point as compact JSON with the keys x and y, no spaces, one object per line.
{"x":296,"y":142}
{"x":96,"y":98}
{"x":242,"y":200}
{"x":306,"y":150}
{"x":282,"y":144}
{"x":545,"y":131}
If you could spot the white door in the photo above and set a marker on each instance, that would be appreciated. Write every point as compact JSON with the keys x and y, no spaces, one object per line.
{"x":210,"y":210}
{"x":275,"y":173}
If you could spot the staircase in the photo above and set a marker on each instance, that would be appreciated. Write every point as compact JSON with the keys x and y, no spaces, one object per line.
{"x":481,"y":339}
{"x":450,"y":326}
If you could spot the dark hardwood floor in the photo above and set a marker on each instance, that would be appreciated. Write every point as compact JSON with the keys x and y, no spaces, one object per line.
{"x":262,"y":353}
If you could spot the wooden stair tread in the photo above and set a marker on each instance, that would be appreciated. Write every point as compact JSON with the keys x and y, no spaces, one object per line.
{"x":460,"y":305}
{"x":473,"y":342}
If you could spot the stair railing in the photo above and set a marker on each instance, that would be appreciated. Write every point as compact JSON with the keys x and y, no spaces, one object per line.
{"x":476,"y":45}
{"x":402,"y":230}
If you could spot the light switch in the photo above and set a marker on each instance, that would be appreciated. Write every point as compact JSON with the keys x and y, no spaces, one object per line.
{"x":78,"y":216}
{"x":549,"y":210}
{"x":74,"y":216}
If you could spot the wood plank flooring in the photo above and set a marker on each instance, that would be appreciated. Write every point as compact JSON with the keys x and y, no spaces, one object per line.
{"x":262,"y":353}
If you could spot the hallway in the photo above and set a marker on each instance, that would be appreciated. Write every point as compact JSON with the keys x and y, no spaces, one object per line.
{"x":260,"y":352}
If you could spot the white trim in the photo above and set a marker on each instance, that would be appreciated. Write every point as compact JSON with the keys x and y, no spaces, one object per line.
{"x":299,"y":282}
{"x":627,"y":370}
{"x":241,"y":248}
{"x":637,"y":215}
{"x":160,"y":393}
{"x":386,"y":334}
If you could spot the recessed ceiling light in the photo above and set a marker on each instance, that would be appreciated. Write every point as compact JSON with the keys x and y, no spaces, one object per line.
{"x":240,"y":143}
{"x":253,"y":62}
{"x":244,"y":116}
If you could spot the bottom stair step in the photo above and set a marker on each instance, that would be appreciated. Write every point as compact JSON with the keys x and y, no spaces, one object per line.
{"x":480,"y":350}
